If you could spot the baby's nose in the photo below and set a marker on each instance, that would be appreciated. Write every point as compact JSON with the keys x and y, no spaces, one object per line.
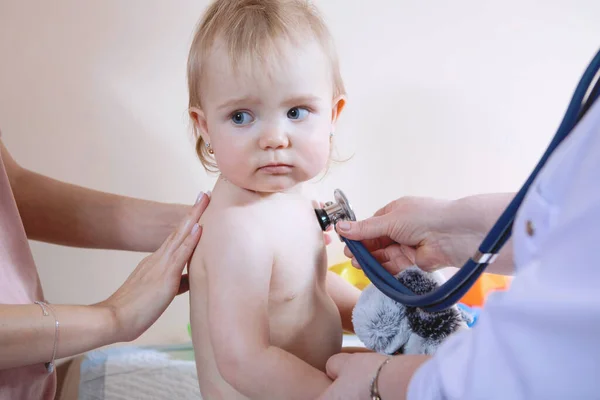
{"x":274,"y":138}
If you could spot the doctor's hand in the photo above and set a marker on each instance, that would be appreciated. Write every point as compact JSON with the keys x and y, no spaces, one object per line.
{"x":426,"y":232}
{"x":352,"y":375}
{"x":158,"y":278}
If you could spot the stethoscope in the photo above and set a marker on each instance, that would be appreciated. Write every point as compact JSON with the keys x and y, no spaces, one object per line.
{"x":457,"y":286}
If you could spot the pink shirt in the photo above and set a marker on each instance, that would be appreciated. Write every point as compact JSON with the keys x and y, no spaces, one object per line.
{"x":19,"y":284}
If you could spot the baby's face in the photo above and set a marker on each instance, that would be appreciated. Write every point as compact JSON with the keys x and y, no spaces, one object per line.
{"x":269,"y":129}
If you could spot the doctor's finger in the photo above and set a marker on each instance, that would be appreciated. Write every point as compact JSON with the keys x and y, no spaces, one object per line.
{"x":335,"y":364}
{"x":372,"y":245}
{"x":395,"y":258}
{"x":370,"y":228}
{"x":393,"y":263}
{"x":371,"y":249}
{"x":389,"y":266}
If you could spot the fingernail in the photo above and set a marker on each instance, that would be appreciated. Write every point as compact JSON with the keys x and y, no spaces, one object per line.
{"x":200,"y":196}
{"x":343,"y":225}
{"x":195,"y":228}
{"x":209,"y":193}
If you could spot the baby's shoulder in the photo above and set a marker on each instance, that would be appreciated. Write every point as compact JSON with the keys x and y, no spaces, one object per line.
{"x":258,"y":221}
{"x":226,"y":217}
{"x":233,"y":229}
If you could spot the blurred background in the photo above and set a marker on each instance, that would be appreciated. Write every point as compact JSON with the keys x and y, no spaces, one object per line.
{"x":446,"y":99}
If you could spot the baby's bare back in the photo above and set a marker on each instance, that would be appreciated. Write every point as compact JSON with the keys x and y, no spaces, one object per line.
{"x":303,"y":320}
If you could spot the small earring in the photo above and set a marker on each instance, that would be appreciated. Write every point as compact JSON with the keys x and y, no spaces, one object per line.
{"x":210,"y":150}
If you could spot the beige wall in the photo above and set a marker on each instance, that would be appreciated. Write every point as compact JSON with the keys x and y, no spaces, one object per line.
{"x":446,"y":99}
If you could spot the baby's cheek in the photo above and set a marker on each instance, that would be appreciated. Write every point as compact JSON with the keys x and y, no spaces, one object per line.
{"x":317,"y":155}
{"x":230,"y":166}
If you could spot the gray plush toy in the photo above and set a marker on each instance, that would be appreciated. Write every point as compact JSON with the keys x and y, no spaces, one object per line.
{"x":388,"y":327}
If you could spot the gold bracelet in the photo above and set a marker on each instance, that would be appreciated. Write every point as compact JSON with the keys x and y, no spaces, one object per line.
{"x":45,"y":307}
{"x":374,"y":383}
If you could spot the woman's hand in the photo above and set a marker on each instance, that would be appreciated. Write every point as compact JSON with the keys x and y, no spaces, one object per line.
{"x":426,"y":232}
{"x":149,"y":290}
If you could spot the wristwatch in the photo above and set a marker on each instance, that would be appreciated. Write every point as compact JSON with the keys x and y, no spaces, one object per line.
{"x":374,"y":383}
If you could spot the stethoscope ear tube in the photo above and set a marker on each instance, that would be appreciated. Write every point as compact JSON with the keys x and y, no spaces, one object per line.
{"x":457,"y":286}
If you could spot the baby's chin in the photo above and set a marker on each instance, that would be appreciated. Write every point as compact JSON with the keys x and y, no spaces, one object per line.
{"x":272,"y":184}
{"x":276,"y":184}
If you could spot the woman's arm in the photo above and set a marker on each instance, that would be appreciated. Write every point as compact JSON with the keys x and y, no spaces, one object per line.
{"x":27,"y":336}
{"x":67,"y":214}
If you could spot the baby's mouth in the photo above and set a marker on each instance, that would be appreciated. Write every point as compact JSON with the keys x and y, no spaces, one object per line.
{"x":276,"y":168}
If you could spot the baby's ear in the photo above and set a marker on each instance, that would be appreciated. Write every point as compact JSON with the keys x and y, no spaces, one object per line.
{"x":200,"y":125}
{"x":336,"y":109}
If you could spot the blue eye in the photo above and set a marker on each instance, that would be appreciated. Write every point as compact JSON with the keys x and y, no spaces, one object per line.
{"x":297,"y":113}
{"x":241,"y":118}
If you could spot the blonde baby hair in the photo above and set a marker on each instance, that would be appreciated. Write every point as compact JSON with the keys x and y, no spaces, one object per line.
{"x":252,"y":30}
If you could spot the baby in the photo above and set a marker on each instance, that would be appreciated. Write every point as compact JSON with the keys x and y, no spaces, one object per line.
{"x":265,"y":95}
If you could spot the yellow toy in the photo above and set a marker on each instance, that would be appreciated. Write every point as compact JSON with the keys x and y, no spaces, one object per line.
{"x":353,"y":275}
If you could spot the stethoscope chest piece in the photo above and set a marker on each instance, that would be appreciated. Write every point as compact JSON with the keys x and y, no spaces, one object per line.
{"x":335,"y":211}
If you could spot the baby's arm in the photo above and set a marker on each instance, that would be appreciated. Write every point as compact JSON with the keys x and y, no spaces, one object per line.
{"x":239,"y":264}
{"x":345,"y":296}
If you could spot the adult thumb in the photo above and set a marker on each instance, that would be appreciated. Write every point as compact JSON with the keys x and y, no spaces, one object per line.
{"x":335,"y":364}
{"x":370,"y":228}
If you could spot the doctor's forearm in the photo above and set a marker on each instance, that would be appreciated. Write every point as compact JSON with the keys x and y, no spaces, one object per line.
{"x":66,"y":214}
{"x":394,"y":378}
{"x":485,"y":209}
